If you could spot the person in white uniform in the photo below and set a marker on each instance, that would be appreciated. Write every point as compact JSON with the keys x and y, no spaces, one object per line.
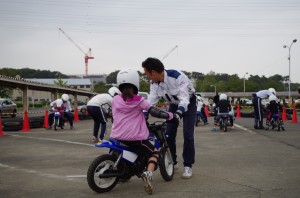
{"x":98,"y":107}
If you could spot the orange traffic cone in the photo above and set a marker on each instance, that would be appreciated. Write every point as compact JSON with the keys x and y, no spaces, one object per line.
{"x":238,"y":112}
{"x":284,"y":113}
{"x":76,"y":118}
{"x":26,"y":126}
{"x":294,"y":119}
{"x":46,"y":122}
{"x":206,"y":111}
{"x":1,"y":132}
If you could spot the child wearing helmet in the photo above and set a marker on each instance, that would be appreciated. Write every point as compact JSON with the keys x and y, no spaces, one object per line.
{"x":67,"y":110}
{"x":129,"y":124}
{"x":98,"y":107}
{"x":274,"y":107}
{"x":223,"y":107}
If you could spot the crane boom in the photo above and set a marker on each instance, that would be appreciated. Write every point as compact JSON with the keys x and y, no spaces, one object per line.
{"x":87,"y":55}
{"x":169,"y":52}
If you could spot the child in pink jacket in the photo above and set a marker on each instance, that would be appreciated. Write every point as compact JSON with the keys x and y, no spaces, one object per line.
{"x":129,"y":124}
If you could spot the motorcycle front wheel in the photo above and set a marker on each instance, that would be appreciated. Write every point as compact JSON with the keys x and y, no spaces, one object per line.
{"x":102,"y":165}
{"x":166,"y":165}
{"x":56,"y":123}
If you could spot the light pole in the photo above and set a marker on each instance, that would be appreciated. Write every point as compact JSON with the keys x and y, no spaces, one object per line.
{"x":289,"y":58}
{"x":244,"y":82}
{"x":215,"y":88}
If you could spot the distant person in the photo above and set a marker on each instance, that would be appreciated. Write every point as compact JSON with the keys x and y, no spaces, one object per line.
{"x":258,"y":108}
{"x":216,"y":98}
{"x":98,"y":107}
{"x":67,"y":111}
{"x":223,"y":107}
{"x":200,"y":111}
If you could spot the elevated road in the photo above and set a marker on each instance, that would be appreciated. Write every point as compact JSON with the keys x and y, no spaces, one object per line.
{"x":25,"y":85}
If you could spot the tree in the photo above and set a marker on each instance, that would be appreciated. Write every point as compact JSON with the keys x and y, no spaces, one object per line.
{"x":112,"y":77}
{"x":101,"y":87}
{"x":5,"y":92}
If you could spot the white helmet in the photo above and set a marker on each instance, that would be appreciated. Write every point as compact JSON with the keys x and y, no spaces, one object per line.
{"x":65,"y":97}
{"x":128,"y":76}
{"x":272,"y":98}
{"x":113,"y":91}
{"x":272,"y":90}
{"x":59,"y":102}
{"x":223,"y":97}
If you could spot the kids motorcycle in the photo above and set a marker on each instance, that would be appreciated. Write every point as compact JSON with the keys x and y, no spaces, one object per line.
{"x":58,"y":121}
{"x":275,"y":123}
{"x":224,"y":122}
{"x":121,"y":163}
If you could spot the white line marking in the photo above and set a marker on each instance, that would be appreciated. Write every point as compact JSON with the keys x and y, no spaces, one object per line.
{"x":75,"y":176}
{"x":245,"y":129}
{"x":42,"y":174}
{"x":55,"y":140}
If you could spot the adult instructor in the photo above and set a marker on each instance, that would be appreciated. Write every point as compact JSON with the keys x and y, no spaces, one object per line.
{"x":176,"y":89}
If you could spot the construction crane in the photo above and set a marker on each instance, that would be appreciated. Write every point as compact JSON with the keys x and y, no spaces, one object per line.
{"x":169,"y":52}
{"x":87,"y":55}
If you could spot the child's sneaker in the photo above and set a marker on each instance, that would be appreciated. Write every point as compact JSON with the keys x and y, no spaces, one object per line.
{"x":187,"y":173}
{"x":214,"y":129}
{"x":147,"y":178}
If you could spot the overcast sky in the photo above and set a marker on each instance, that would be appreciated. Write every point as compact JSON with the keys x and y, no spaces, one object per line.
{"x":223,"y":36}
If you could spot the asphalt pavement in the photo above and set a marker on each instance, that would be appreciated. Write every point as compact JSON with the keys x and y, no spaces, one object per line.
{"x":240,"y":163}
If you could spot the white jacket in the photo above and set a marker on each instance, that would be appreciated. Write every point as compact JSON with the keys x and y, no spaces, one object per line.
{"x":101,"y":100}
{"x":175,"y":89}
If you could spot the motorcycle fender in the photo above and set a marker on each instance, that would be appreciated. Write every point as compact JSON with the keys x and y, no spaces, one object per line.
{"x":129,"y":156}
{"x":108,"y":144}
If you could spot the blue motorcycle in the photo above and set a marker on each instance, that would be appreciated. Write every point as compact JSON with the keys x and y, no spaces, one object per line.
{"x":275,"y":123}
{"x":58,"y":121}
{"x":224,"y":121}
{"x":120,"y":164}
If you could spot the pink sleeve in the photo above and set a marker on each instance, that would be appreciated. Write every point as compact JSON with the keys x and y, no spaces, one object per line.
{"x":145,"y":105}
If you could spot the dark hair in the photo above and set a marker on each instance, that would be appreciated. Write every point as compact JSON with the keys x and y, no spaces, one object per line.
{"x":153,"y":64}
{"x":127,"y":91}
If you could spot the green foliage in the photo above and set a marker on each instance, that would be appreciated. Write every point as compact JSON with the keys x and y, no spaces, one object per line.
{"x":101,"y":87}
{"x":5,"y":92}
{"x":112,"y":77}
{"x":144,"y":86}
{"x":30,"y":73}
{"x":224,"y":82}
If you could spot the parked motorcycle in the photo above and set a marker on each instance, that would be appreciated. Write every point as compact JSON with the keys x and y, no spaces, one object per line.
{"x":121,"y":163}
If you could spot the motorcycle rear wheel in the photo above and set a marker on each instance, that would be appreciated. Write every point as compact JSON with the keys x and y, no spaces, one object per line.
{"x":225,"y":126}
{"x":101,"y":165}
{"x":166,"y":165}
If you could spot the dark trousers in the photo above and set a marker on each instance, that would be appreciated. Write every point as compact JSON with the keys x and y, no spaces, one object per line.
{"x":99,"y":117}
{"x":67,"y":115}
{"x":258,"y":111}
{"x":189,"y":118}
